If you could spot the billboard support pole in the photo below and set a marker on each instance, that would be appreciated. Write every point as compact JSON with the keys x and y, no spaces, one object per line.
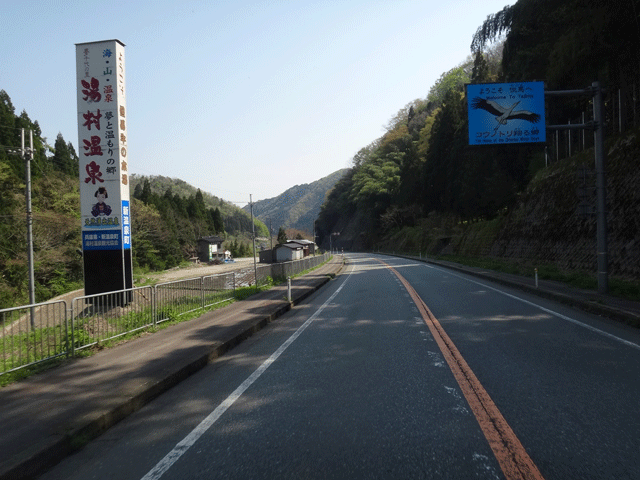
{"x":597,"y":125}
{"x":601,"y":190}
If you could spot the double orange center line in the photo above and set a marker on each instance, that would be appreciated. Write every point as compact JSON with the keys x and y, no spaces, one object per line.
{"x":511,"y":455}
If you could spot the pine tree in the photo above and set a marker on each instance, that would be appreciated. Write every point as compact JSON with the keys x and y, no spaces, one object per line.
{"x":146,"y":192}
{"x":218,"y":222}
{"x":282,"y":236}
{"x":63,"y":158}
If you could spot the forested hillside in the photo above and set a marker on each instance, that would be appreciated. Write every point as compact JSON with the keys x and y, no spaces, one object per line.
{"x":235,"y":220}
{"x":415,"y":185}
{"x":298,"y":207}
{"x":422,"y":172}
{"x":167,"y":218}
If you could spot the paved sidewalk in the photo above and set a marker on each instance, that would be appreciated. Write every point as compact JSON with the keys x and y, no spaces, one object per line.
{"x":46,"y":417}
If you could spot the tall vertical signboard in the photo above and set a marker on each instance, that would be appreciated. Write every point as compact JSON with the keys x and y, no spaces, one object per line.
{"x":104,"y":176}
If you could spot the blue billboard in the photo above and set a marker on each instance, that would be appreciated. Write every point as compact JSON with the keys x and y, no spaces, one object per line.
{"x":506,"y":113}
{"x":102,"y":240}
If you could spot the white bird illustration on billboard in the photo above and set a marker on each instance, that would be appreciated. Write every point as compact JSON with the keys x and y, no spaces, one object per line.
{"x":504,"y":114}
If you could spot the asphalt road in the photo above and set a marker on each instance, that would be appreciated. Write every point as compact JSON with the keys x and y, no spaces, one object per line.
{"x":355,"y":384}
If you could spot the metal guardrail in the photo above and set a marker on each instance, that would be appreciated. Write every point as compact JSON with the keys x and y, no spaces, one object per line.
{"x":280,"y":271}
{"x":105,"y":316}
{"x":31,"y":334}
{"x":173,"y":299}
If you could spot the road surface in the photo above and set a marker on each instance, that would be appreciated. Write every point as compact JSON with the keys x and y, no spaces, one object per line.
{"x":396,"y":370}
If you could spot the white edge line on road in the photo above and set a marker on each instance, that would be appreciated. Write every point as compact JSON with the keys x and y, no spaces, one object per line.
{"x":559,"y":315}
{"x":163,"y":465}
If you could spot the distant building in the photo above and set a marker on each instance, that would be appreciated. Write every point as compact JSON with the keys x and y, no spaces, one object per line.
{"x":286,"y":252}
{"x":308,"y":246}
{"x":265,"y":256}
{"x":210,"y":248}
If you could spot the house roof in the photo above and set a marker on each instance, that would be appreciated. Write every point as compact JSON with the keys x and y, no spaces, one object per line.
{"x":301,"y":242}
{"x":212,"y":239}
{"x":290,"y":246}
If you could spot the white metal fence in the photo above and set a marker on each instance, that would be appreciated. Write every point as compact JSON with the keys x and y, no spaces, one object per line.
{"x":31,"y":333}
{"x":104,"y":316}
{"x":34,"y":333}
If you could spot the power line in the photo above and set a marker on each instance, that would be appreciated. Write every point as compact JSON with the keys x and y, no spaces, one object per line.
{"x":10,"y":147}
{"x":11,"y":128}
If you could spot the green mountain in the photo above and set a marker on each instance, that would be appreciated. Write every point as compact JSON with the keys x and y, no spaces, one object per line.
{"x":298,"y":207}
{"x":236,"y":220}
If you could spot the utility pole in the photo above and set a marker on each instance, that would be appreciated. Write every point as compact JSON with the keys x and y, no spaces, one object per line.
{"x":253,"y":230}
{"x":27,"y":156}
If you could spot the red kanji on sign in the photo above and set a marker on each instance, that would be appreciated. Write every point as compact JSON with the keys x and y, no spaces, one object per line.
{"x":93,"y":170}
{"x":92,"y":146}
{"x":91,"y":90}
{"x":108,"y":93}
{"x":92,"y":118}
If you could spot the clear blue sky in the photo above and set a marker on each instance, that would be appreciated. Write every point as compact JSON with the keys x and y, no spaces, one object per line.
{"x":240,"y":97}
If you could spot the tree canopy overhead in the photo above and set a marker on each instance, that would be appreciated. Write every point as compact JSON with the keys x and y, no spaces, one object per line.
{"x":568,"y":43}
